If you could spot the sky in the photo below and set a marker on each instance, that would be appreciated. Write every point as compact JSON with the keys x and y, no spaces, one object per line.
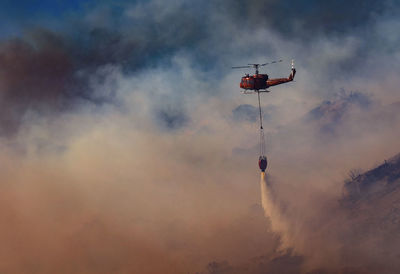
{"x":127,"y":147}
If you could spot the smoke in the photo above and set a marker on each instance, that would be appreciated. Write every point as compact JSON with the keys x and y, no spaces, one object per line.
{"x":127,"y":148}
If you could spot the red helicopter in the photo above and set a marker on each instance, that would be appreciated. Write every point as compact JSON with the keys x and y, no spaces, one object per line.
{"x":260,"y":82}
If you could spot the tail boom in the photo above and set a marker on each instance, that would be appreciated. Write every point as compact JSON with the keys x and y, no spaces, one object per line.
{"x":278,"y":81}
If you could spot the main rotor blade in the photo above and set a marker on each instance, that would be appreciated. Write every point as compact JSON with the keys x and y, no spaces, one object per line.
{"x":273,"y":62}
{"x":242,"y":67}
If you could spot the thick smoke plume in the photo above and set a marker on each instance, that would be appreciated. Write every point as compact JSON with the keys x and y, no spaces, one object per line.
{"x":126,"y":146}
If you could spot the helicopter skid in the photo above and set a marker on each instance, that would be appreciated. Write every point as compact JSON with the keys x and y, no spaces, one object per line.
{"x":254,"y":92}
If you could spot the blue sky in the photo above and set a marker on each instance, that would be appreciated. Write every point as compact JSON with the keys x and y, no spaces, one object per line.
{"x":29,"y":9}
{"x":16,"y":16}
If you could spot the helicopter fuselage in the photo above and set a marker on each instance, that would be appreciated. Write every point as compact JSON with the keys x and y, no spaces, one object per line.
{"x":259,"y":82}
{"x":254,"y":82}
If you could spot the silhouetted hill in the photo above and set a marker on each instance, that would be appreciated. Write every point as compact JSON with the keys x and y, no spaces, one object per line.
{"x":371,"y":202}
{"x":333,"y":110}
{"x":375,"y":183}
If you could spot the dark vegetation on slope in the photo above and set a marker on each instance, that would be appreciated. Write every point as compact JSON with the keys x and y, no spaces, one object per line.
{"x":373,"y":184}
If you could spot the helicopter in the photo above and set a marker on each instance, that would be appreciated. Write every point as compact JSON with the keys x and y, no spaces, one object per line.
{"x":260,"y":82}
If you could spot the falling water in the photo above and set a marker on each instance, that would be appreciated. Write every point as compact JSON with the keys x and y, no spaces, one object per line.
{"x":272,"y":211}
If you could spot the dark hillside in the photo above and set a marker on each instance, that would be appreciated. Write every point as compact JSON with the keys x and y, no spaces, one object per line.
{"x":372,"y":205}
{"x":374,"y":184}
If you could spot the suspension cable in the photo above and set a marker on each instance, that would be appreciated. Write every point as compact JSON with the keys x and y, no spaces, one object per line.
{"x":262,"y":138}
{"x":259,"y":107}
